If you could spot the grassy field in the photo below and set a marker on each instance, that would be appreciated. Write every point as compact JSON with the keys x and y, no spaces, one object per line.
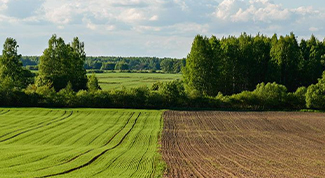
{"x":79,"y":143}
{"x":116,"y":80}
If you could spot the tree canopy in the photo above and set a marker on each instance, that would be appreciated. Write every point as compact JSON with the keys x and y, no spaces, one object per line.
{"x":62,"y":63}
{"x":234,"y":64}
{"x":11,"y":68}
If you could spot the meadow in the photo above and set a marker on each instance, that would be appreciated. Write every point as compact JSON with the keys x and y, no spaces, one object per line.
{"x":79,"y":143}
{"x":109,"y":81}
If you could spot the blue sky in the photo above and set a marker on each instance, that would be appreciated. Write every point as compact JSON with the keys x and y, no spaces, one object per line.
{"x":162,"y":28}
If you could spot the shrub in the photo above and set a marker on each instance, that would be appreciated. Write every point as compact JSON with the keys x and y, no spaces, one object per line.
{"x":297,"y":100}
{"x":315,"y":96}
{"x":271,"y":95}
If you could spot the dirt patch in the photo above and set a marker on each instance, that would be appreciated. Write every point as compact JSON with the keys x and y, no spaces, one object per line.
{"x":244,"y":144}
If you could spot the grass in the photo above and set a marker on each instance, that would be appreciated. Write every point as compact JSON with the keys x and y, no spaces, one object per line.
{"x":109,"y":81}
{"x":79,"y":143}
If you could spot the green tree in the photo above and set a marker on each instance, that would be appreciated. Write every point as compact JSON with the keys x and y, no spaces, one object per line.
{"x":200,"y":73}
{"x":108,"y":66}
{"x":77,"y":73}
{"x":231,"y":70}
{"x":62,"y":63}
{"x":287,"y":57}
{"x":167,"y":65}
{"x":121,"y":66}
{"x":10,"y":66}
{"x":259,"y":67}
{"x":92,"y":84}
{"x":312,"y":65}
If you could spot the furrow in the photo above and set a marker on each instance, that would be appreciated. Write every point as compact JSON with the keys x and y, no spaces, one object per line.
{"x":31,"y":129}
{"x":97,"y":156}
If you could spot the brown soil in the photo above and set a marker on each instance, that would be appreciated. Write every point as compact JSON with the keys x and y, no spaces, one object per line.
{"x":244,"y":144}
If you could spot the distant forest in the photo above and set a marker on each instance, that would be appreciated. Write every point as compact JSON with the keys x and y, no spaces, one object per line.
{"x":234,"y":64}
{"x":245,"y":72}
{"x":98,"y":64}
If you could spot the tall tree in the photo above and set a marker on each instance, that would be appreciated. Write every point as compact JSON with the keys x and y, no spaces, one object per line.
{"x":231,"y":64}
{"x":78,"y":72}
{"x":62,"y":63}
{"x":313,"y":67}
{"x":287,"y":56}
{"x":200,"y":73}
{"x":11,"y":66}
{"x":261,"y":56}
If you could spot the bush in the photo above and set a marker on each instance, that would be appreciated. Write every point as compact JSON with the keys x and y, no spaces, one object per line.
{"x":315,"y":96}
{"x":271,"y":95}
{"x":173,"y":93}
{"x":297,"y":100}
{"x":245,"y":100}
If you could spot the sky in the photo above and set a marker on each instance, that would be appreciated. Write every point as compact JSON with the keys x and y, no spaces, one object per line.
{"x":160,"y":28}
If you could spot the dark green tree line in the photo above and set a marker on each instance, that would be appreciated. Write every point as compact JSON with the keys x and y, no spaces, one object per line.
{"x":234,"y":64}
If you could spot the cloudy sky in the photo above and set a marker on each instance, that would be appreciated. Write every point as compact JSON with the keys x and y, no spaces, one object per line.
{"x":162,"y":28}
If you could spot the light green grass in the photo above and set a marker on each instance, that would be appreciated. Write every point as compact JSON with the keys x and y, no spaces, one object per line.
{"x":109,"y":81}
{"x":38,"y":142}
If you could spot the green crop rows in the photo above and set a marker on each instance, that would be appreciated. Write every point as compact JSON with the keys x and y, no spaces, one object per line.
{"x":109,"y":81}
{"x":79,"y":143}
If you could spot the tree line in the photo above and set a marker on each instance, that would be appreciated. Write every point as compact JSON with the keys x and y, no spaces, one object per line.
{"x":101,"y":63}
{"x":256,"y":73}
{"x":232,"y":64}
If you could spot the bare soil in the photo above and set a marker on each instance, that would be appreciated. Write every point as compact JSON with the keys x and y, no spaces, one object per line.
{"x":244,"y":144}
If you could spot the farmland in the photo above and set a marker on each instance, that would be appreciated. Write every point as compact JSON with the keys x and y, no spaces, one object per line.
{"x":79,"y":143}
{"x":244,"y":144}
{"x":108,"y":81}
{"x":39,"y":143}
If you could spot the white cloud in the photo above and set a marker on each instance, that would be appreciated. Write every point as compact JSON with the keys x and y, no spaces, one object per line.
{"x":3,"y":5}
{"x":154,"y":18}
{"x":228,"y":8}
{"x":131,"y":15}
{"x":124,"y":26}
{"x":313,"y":29}
{"x":255,"y":10}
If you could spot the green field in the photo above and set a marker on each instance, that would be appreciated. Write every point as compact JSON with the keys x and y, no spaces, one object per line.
{"x":79,"y":143}
{"x":109,"y":81}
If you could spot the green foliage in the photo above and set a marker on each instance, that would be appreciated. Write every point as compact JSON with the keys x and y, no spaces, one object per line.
{"x":297,"y":100}
{"x":272,"y":95}
{"x":108,"y":66}
{"x":172,"y":65}
{"x":62,"y":63}
{"x":233,"y":66}
{"x":121,"y":66}
{"x":30,"y":60}
{"x":240,"y":63}
{"x":315,"y":96}
{"x":265,"y":96}
{"x":7,"y":88}
{"x":11,"y":67}
{"x":200,"y":72}
{"x":92,"y":84}
{"x":77,"y":72}
{"x":286,"y":55}
{"x":173,"y":92}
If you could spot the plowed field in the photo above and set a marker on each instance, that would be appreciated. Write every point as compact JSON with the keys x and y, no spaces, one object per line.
{"x":244,"y":144}
{"x":79,"y":143}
